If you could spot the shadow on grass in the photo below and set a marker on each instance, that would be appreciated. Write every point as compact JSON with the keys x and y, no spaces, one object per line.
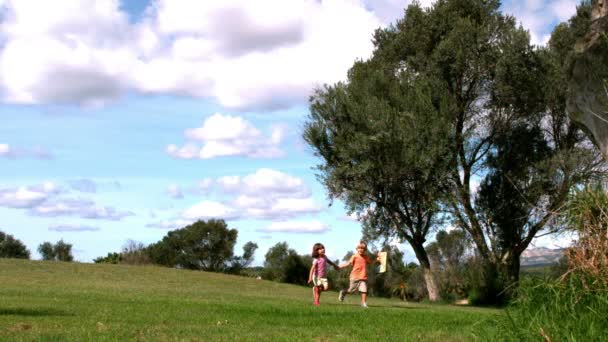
{"x":33,"y":312}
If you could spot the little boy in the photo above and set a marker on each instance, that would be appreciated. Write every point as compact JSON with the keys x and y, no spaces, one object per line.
{"x":358,"y":274}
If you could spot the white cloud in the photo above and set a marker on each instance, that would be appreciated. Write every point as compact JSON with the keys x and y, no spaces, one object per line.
{"x":72,"y":228}
{"x":170,"y":224}
{"x":564,"y":9}
{"x":244,"y":54}
{"x":262,"y":26}
{"x":265,"y":194}
{"x":265,"y":182}
{"x":202,"y":187}
{"x":82,"y":208}
{"x":174,"y":191}
{"x":539,"y":16}
{"x":225,"y":135}
{"x":27,"y":197}
{"x":38,"y":152}
{"x":209,"y":209}
{"x":308,"y":227}
{"x":270,"y":194}
{"x":5,"y":150}
{"x":89,"y":52}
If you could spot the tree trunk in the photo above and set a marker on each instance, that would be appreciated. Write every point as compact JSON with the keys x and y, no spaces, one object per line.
{"x":429,"y":279}
{"x":510,"y":267}
{"x":587,"y":96}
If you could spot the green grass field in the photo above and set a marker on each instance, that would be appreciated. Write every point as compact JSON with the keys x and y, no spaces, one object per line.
{"x":56,"y":301}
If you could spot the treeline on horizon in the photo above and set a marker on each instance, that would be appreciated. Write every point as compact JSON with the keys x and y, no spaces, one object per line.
{"x":209,"y":246}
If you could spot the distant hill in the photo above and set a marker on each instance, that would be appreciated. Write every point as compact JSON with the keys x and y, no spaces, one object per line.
{"x":541,"y":256}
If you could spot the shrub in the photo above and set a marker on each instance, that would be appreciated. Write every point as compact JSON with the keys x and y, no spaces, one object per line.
{"x":555,"y":310}
{"x":12,"y":248}
{"x":587,"y":214}
{"x":111,"y":258}
{"x":134,"y":253}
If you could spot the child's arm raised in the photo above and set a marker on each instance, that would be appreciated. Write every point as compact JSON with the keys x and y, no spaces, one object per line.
{"x":336,"y":267}
{"x":345,"y":265}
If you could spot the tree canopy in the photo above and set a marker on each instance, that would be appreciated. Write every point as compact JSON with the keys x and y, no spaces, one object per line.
{"x":203,"y":245}
{"x":59,"y":251}
{"x":12,"y":248}
{"x":453,"y":96}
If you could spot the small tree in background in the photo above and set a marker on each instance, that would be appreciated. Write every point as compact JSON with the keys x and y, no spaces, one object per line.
{"x":203,"y":245}
{"x":448,"y":258}
{"x":12,"y":248}
{"x":285,"y":265}
{"x":60,"y":251}
{"x":240,"y":263}
{"x":47,"y":251}
{"x":134,"y":253}
{"x":111,"y":258}
{"x":64,"y":251}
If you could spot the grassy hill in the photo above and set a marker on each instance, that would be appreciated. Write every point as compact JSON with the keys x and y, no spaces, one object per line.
{"x":72,"y":301}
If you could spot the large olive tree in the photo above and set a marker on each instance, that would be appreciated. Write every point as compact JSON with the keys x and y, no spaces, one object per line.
{"x":489,"y":109}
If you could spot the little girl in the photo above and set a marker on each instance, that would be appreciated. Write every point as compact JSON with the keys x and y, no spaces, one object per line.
{"x":318,"y":272}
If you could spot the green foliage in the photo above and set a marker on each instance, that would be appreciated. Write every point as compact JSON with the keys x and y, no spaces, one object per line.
{"x":240,"y":264}
{"x":59,"y":251}
{"x":587,"y":214}
{"x":203,"y":245}
{"x":47,"y":251}
{"x":134,"y":253}
{"x":487,"y":285}
{"x":448,"y":257}
{"x":466,"y":75}
{"x":397,"y":274}
{"x":63,"y":251}
{"x":283,"y":264}
{"x":12,"y":248}
{"x":587,"y":208}
{"x":111,"y":258}
{"x":560,"y":310}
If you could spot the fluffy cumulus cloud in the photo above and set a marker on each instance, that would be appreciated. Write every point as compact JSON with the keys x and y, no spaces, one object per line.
{"x":209,"y":210}
{"x":8,"y":151}
{"x":305,"y":227}
{"x":226,"y":135}
{"x":265,"y":195}
{"x":45,"y":200}
{"x":267,"y":183}
{"x":244,"y":54}
{"x":72,"y":228}
{"x":269,"y":194}
{"x":90,"y":52}
{"x":27,"y":196}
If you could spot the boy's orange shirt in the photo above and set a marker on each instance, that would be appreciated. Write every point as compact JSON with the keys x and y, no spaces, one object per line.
{"x":359,"y":264}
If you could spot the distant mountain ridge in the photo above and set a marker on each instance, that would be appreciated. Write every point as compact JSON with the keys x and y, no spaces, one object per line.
{"x":541,"y":256}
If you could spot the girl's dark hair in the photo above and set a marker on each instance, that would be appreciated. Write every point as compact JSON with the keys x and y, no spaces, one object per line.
{"x":315,"y":249}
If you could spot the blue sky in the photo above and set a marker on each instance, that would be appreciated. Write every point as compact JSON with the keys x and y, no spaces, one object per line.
{"x":125,"y":119}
